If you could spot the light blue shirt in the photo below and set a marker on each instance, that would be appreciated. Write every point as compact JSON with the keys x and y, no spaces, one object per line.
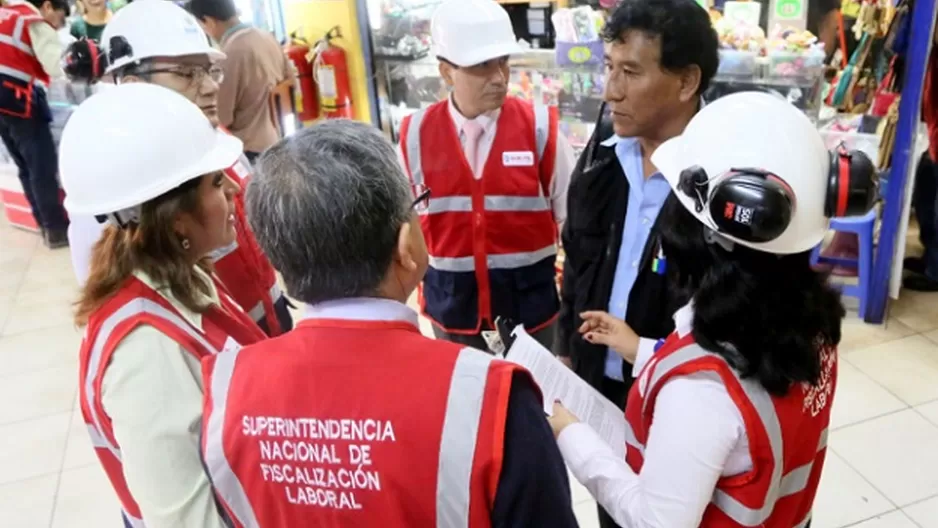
{"x":646,"y":196}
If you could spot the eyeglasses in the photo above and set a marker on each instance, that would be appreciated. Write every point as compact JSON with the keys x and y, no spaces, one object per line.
{"x":194,"y":75}
{"x":422,"y":202}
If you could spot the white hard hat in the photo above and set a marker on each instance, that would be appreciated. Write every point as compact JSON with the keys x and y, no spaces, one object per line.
{"x":470,"y":32}
{"x":154,"y":28}
{"x":135,"y":142}
{"x":753,"y":168}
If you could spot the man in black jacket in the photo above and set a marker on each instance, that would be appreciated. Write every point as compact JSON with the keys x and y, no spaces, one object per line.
{"x":660,"y":57}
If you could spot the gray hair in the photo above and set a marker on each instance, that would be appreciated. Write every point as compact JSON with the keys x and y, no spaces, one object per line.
{"x":326,"y":205}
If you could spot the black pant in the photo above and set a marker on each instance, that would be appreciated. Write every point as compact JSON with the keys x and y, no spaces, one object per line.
{"x":925,"y":200}
{"x":282,"y":308}
{"x":544,"y":336}
{"x":30,"y":144}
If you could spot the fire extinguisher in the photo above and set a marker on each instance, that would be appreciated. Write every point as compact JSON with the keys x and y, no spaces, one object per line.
{"x":330,"y":69}
{"x":308,"y":101}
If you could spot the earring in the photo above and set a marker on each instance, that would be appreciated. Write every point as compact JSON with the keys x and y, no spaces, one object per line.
{"x":185,"y":244}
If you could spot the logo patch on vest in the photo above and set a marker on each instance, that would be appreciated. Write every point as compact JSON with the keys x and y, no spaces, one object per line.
{"x":518,"y":159}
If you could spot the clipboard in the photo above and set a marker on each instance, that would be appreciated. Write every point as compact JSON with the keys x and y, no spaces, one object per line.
{"x":499,"y":341}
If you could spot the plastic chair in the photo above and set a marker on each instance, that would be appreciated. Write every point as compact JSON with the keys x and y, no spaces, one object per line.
{"x":863,"y":227}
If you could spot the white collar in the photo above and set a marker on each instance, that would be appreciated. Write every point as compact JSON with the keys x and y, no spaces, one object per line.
{"x":362,"y":309}
{"x":684,"y":319}
{"x":486,"y":120}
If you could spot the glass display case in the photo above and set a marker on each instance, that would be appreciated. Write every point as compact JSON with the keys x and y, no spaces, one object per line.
{"x":407,"y":78}
{"x":405,"y":86}
{"x":400,"y":29}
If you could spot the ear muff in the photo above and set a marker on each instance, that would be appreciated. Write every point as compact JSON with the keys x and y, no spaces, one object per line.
{"x":748,"y":204}
{"x":851,"y":184}
{"x":84,"y":62}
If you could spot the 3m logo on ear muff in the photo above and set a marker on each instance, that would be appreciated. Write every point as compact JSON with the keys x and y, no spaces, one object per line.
{"x":737,"y":213}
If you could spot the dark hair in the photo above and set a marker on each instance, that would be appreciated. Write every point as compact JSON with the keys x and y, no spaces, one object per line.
{"x":770,"y":316}
{"x":58,"y":5}
{"x":683,"y":27}
{"x":220,"y":10}
{"x":326,"y":205}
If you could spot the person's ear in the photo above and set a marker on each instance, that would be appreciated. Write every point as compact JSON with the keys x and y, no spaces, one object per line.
{"x":405,"y":247}
{"x":690,"y":82}
{"x":446,"y":72}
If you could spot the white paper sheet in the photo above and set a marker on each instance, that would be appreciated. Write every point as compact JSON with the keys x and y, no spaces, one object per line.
{"x":557,"y":382}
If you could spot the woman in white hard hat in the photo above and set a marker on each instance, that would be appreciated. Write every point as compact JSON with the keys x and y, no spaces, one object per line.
{"x":158,"y":42}
{"x":727,"y":421}
{"x":150,"y":306}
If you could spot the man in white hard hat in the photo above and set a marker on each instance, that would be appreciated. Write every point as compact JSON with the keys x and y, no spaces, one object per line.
{"x":498,"y":171}
{"x":159,"y":42}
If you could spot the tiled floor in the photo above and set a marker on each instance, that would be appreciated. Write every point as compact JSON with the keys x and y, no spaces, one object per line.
{"x":882,"y":470}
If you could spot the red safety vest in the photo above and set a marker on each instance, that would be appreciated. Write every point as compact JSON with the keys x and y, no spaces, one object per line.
{"x":243,"y":267}
{"x":492,"y":241}
{"x":321,"y":427}
{"x":787,"y":437}
{"x":137,"y":304}
{"x":19,"y":67}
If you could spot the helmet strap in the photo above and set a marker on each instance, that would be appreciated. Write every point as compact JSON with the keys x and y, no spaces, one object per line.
{"x":712,"y":237}
{"x":123,"y":218}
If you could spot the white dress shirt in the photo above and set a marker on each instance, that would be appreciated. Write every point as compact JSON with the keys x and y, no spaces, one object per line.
{"x":697,"y":437}
{"x":152,"y":392}
{"x":564,"y":160}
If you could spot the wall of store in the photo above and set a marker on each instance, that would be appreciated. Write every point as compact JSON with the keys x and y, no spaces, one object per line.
{"x":311,"y":19}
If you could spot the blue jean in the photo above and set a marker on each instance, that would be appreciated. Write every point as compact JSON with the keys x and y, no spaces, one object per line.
{"x":925,"y":201}
{"x":30,"y":144}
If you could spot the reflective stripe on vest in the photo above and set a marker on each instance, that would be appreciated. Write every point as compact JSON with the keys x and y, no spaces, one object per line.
{"x":16,"y":39}
{"x":457,"y":442}
{"x":541,"y":135}
{"x":502,"y":261}
{"x":132,"y":308}
{"x":257,"y":312}
{"x":780,"y":485}
{"x":223,"y":479}
{"x":463,"y":204}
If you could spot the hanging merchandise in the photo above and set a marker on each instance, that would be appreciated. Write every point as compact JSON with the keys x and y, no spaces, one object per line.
{"x":841,"y":95}
{"x":307,"y":99}
{"x":887,"y":133}
{"x":887,"y":93}
{"x":330,"y":69}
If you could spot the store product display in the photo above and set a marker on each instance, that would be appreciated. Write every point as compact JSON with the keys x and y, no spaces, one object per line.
{"x":794,"y":53}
